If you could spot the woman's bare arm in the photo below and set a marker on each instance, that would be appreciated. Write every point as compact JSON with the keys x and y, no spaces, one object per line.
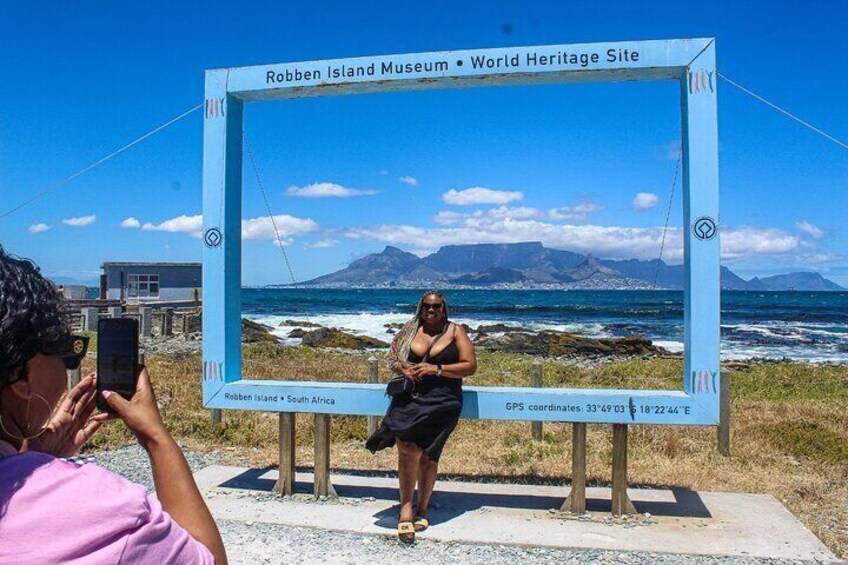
{"x":172,"y":476}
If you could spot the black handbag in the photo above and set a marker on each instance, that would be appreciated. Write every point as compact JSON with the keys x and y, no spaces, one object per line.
{"x":400,"y":385}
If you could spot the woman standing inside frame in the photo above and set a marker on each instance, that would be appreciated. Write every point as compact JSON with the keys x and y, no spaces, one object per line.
{"x":434,"y":355}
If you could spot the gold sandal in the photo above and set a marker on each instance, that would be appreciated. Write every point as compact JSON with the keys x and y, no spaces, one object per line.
{"x":406,"y":532}
{"x":420,"y":523}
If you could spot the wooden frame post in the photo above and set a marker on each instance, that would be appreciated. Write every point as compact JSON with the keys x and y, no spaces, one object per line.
{"x":373,"y":377}
{"x":536,"y":382}
{"x":576,"y":501}
{"x":724,"y":414}
{"x":285,"y":482}
{"x":621,"y":503}
{"x":321,"y":482}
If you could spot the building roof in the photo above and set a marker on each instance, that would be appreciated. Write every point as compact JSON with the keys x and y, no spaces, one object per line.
{"x":148,"y":264}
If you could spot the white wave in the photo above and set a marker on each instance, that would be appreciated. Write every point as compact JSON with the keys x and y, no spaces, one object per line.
{"x":821,"y":354}
{"x":373,"y":325}
{"x":673,"y":346}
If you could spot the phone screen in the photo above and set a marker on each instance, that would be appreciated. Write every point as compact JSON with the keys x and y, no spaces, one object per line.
{"x":117,"y":357}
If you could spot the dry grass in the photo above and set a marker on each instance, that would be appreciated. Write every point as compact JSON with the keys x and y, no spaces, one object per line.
{"x":790,"y":430}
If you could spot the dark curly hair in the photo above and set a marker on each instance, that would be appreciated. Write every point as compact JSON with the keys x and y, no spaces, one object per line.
{"x":30,"y":307}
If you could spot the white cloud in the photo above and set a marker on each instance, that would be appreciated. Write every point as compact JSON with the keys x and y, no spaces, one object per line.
{"x":644,"y":201}
{"x":326,"y":190}
{"x":809,"y":258}
{"x":480,"y":195}
{"x":253,"y":228}
{"x":323,"y":244}
{"x":411,"y":181}
{"x":750,"y":242}
{"x":810,"y":229}
{"x":613,"y":242}
{"x":505,"y":212}
{"x":192,"y":225}
{"x":261,"y":228}
{"x":80,"y":222}
{"x":38,"y":228}
{"x":578,"y":212}
{"x":383,"y":172}
{"x":449,"y":217}
{"x":131,"y":223}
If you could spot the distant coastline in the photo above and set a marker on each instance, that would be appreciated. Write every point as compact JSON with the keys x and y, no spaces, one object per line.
{"x":532,"y":266}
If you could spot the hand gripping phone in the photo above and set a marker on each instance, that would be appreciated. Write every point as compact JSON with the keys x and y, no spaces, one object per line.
{"x":117,"y":358}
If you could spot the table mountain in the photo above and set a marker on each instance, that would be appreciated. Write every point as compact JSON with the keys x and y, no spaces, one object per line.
{"x":532,"y":265}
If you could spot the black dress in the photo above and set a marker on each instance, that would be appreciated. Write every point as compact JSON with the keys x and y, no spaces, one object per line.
{"x":427,"y":417}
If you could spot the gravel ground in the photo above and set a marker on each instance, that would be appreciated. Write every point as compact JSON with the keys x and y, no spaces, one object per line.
{"x":250,"y":543}
{"x":259,"y":543}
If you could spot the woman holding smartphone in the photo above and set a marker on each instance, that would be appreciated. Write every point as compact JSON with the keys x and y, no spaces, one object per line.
{"x":53,"y":511}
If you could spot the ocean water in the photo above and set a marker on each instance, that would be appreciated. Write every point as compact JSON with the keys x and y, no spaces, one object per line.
{"x":810,"y":326}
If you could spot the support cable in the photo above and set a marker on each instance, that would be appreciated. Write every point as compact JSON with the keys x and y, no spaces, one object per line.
{"x":668,"y":214}
{"x":268,"y":206}
{"x":270,"y":212}
{"x":99,"y":162}
{"x":784,"y":112}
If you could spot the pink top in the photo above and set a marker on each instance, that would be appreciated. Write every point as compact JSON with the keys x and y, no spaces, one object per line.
{"x":53,"y":511}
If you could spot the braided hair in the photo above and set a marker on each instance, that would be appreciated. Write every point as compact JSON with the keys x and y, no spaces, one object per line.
{"x":399,"y":352}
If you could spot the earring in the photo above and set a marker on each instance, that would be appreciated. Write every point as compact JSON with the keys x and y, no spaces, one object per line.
{"x":26,"y":418}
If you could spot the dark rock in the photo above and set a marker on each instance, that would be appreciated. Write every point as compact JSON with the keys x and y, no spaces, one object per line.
{"x":513,"y":342}
{"x":499,"y":328}
{"x":297,"y":332}
{"x":252,"y":332}
{"x":632,"y":345}
{"x":299,"y":324}
{"x":331,"y":337}
{"x":559,"y":344}
{"x":394,"y":325}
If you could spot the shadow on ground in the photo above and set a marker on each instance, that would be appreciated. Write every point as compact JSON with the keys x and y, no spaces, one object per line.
{"x":448,"y":505}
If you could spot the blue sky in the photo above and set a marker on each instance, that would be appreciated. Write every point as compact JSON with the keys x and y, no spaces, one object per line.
{"x":580,"y":167}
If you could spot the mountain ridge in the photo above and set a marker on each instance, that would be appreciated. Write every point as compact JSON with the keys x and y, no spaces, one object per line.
{"x":532,"y":265}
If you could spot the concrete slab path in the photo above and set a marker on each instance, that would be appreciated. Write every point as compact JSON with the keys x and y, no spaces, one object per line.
{"x":669,"y":521}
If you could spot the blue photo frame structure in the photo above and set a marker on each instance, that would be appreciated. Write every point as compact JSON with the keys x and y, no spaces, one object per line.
{"x":690,"y":62}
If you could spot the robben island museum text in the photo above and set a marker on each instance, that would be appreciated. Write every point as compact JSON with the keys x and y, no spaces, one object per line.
{"x":531,"y":59}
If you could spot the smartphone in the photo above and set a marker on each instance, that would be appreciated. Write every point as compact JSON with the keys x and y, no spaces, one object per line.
{"x":117,"y":358}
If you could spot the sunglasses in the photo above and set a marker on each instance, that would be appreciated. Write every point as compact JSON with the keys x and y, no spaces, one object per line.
{"x":437,"y":306}
{"x":71,"y":349}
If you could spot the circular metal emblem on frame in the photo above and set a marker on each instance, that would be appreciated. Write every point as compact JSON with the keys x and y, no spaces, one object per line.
{"x":213,"y":237}
{"x":704,"y":228}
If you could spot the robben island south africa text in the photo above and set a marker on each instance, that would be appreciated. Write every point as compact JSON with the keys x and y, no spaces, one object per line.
{"x":530,"y":59}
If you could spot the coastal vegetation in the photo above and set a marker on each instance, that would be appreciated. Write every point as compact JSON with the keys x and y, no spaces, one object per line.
{"x":789,"y":428}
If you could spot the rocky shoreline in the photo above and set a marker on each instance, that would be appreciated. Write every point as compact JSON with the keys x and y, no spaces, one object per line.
{"x":563,"y":347}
